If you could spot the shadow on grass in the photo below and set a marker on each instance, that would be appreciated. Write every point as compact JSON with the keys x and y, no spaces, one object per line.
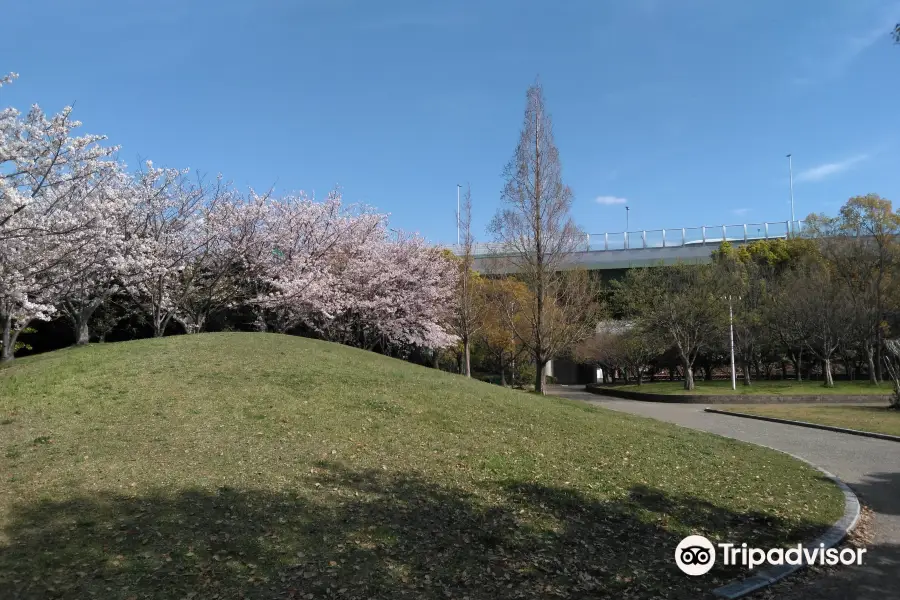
{"x":363,"y":535}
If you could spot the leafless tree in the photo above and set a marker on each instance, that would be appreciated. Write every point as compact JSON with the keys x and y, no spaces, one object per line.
{"x":466,"y":319}
{"x":537,"y":236}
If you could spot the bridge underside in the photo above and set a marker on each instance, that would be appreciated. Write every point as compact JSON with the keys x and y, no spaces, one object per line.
{"x":602,"y":260}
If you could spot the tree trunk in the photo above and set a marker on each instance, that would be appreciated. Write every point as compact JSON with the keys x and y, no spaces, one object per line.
{"x":746,"y":371}
{"x":468,"y":360}
{"x":783,"y":370}
{"x":194,"y":323}
{"x":7,"y":344}
{"x":870,"y":359}
{"x":9,"y":337}
{"x":688,"y":379}
{"x":82,"y":332}
{"x":539,"y":375}
{"x":159,"y":328}
{"x":502,"y":371}
{"x":83,"y":318}
{"x":688,"y":373}
{"x":879,"y":361}
{"x":799,"y":366}
{"x":708,"y":372}
{"x":829,"y":380}
{"x":640,"y":376}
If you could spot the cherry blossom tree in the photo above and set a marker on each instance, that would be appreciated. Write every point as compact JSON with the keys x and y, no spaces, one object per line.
{"x":27,"y":292}
{"x":398,"y":291}
{"x":201,"y":239}
{"x":115,"y":258}
{"x":311,"y":244}
{"x":230,"y":239}
{"x":49,"y":209}
{"x":168,"y":206}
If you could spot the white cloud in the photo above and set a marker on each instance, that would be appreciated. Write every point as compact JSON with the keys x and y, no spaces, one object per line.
{"x":828,"y":169}
{"x":740,"y":212}
{"x":611,"y":200}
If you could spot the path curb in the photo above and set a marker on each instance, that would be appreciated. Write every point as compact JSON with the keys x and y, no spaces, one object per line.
{"x":832,"y":537}
{"x":612,"y":392}
{"x":870,"y":434}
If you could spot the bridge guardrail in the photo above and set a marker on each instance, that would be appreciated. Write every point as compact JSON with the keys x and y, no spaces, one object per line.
{"x":670,"y":238}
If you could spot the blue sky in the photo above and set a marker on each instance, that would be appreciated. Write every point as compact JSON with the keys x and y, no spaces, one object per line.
{"x":684,"y":108}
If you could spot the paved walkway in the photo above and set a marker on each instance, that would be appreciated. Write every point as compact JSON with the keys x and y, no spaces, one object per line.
{"x":870,"y":466}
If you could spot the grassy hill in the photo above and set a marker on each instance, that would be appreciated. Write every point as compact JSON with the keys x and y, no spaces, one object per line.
{"x":258,"y":465}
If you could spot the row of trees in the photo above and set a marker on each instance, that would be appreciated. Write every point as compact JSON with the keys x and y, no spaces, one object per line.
{"x":84,"y":239}
{"x":77,"y":229}
{"x":828,"y":296}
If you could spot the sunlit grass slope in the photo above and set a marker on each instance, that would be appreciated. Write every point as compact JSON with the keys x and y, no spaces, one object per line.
{"x":255,"y":465}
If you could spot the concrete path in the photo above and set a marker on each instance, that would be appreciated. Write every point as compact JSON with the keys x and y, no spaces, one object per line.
{"x":870,"y":466}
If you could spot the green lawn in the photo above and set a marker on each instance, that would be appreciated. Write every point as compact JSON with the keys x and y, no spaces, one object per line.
{"x":879,"y":419}
{"x":770,"y":388}
{"x":261,"y":466}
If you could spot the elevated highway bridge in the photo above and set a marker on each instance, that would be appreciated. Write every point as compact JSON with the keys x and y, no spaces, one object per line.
{"x":624,"y":250}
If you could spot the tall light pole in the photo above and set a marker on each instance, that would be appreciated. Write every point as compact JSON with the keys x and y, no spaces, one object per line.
{"x":731,"y":336}
{"x":627,"y":212}
{"x":457,"y":213}
{"x":791,"y":170}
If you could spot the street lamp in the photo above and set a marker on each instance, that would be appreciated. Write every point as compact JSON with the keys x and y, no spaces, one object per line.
{"x":791,"y":170}
{"x":627,"y":209}
{"x":731,"y":339}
